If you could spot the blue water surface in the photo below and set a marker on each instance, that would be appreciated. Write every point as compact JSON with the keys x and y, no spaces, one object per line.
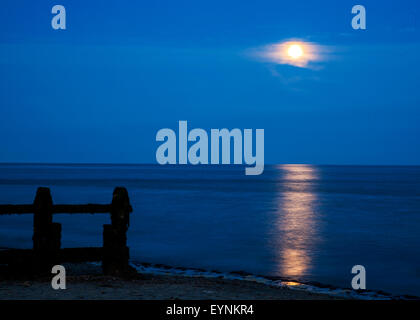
{"x":303,"y":222}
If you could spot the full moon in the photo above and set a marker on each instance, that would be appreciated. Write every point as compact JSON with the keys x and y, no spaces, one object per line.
{"x":295,"y":51}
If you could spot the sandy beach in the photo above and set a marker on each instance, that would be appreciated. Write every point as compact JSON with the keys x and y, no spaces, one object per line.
{"x":85,"y":281}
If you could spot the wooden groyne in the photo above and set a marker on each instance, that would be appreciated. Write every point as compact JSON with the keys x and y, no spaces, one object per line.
{"x":47,"y":251}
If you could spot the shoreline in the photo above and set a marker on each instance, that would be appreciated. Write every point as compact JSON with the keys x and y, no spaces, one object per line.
{"x":85,"y":281}
{"x":161,"y":282}
{"x":271,"y":281}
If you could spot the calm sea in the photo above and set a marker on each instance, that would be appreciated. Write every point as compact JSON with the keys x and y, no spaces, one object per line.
{"x":303,"y":222}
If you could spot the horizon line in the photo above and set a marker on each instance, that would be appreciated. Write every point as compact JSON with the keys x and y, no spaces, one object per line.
{"x":192,"y":165}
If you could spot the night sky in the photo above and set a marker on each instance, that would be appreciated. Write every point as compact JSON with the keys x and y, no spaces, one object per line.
{"x":99,"y":91}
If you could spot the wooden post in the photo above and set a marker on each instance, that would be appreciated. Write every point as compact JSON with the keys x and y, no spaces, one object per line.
{"x":116,"y":252}
{"x":47,"y":235}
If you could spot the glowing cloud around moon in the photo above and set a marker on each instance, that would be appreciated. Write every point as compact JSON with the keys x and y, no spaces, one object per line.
{"x":295,"y":53}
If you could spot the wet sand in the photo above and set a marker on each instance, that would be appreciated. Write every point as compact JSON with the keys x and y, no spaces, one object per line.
{"x":85,"y":281}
